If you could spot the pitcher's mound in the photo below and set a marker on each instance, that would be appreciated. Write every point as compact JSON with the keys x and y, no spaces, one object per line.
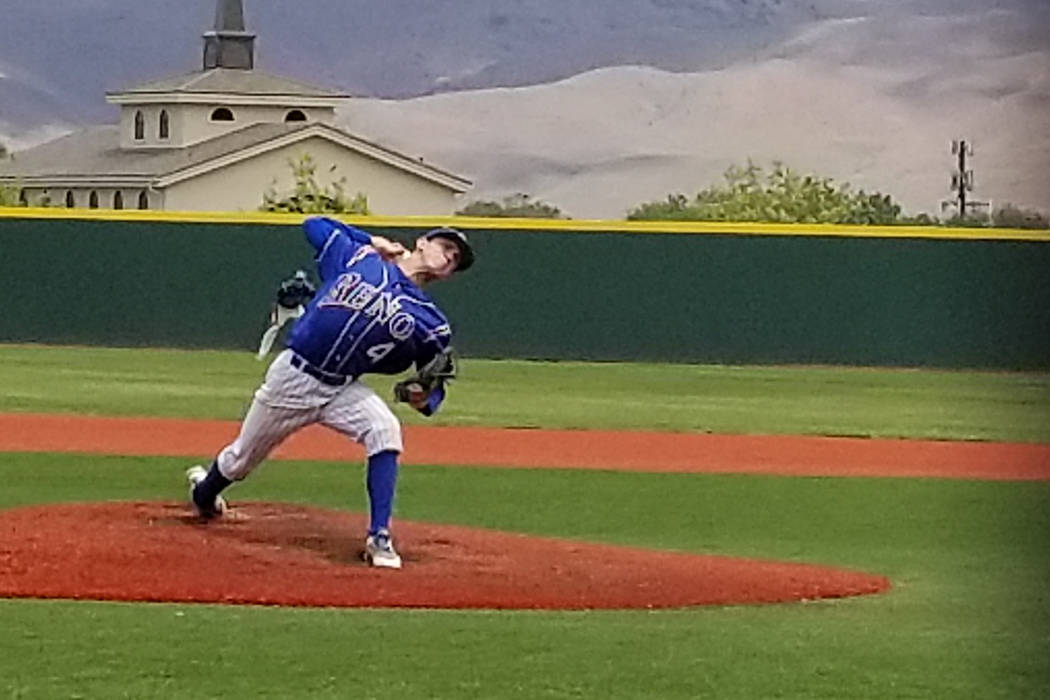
{"x":280,"y":554}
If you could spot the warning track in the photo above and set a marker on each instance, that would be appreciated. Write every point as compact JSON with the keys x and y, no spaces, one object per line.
{"x":553,"y":449}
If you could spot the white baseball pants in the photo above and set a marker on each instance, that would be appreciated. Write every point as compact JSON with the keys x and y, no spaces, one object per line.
{"x":290,"y":400}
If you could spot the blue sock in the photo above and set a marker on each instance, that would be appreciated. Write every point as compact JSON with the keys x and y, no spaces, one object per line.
{"x":211,"y":486}
{"x":382,"y":479}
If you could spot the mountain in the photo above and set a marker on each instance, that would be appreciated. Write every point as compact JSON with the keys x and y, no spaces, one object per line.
{"x":394,"y":49}
{"x":29,"y":114}
{"x":593,"y":105}
{"x":597,"y":144}
{"x":870,"y":99}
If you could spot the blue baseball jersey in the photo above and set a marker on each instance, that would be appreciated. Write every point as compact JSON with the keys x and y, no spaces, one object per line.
{"x":367,"y":315}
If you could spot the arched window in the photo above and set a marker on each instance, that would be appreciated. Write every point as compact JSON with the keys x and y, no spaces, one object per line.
{"x":163,"y":127}
{"x":296,"y":115}
{"x":143,"y":200}
{"x":70,"y":202}
{"x":93,"y":200}
{"x":140,"y":126}
{"x":118,"y":200}
{"x":221,"y":114}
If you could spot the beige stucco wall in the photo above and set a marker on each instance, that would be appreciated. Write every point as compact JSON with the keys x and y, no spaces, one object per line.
{"x":190,"y":123}
{"x":240,"y":187}
{"x":56,"y":197}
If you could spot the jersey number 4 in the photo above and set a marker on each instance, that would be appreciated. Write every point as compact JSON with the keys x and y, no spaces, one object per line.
{"x":378,"y":352}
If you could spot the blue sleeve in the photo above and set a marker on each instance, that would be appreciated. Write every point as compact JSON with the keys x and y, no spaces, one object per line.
{"x":320,"y":229}
{"x":332,"y":240}
{"x":437,"y":395}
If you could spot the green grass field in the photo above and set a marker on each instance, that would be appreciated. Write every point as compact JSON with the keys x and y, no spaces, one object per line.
{"x":968,"y":617}
{"x":705,"y":398}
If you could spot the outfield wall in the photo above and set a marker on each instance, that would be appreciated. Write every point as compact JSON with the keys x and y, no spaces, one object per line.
{"x":725,"y":293}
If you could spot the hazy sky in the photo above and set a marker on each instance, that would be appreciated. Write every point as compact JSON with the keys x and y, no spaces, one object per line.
{"x":400,"y":48}
{"x":866,"y":90}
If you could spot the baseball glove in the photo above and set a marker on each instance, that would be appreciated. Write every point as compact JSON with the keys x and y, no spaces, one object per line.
{"x":416,"y":389}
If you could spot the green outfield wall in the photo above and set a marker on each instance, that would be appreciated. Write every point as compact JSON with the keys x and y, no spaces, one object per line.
{"x":725,"y":293}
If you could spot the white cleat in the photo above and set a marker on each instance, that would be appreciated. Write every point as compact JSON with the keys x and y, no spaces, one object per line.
{"x":207,"y":511}
{"x":380,"y":552}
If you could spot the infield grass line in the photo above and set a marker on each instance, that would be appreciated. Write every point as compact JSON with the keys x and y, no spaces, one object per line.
{"x":829,"y":401}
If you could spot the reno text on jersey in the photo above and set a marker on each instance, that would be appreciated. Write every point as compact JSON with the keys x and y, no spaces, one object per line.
{"x":350,"y":292}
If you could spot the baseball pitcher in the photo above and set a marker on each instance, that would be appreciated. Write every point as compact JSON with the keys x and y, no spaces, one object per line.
{"x":292,"y":296}
{"x":370,"y":315}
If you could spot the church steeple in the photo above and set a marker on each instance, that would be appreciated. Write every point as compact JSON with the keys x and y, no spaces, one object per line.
{"x":228,"y":45}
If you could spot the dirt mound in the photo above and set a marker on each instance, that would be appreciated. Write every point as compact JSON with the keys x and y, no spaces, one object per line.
{"x":280,"y":554}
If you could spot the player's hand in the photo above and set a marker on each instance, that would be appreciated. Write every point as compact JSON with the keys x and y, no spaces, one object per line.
{"x":417,"y":396}
{"x":388,"y":249}
{"x":411,"y":392}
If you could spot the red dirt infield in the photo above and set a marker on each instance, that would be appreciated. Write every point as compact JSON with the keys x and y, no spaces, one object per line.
{"x":555,"y":449}
{"x":278,"y":554}
{"x":291,"y":555}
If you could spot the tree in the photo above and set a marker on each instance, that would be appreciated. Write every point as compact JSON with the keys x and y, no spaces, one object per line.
{"x":9,"y":196}
{"x":1011,"y":216}
{"x":8,"y":193}
{"x":971,"y":220}
{"x":518,"y":205}
{"x":922,"y":219}
{"x":779,"y":196}
{"x":309,"y":197}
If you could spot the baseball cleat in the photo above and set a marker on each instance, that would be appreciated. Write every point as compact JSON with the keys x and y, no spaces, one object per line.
{"x":380,"y":552}
{"x":207,"y":511}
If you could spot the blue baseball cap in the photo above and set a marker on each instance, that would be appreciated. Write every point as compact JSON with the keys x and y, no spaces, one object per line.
{"x":466,"y":252}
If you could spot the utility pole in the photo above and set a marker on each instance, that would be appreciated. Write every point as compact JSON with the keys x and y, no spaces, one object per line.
{"x":962,"y":179}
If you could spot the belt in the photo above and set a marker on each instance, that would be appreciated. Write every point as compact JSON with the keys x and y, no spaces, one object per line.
{"x":320,"y":375}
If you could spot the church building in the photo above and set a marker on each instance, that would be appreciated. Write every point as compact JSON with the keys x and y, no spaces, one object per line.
{"x":218,"y":138}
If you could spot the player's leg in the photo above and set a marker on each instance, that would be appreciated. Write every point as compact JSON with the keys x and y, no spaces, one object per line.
{"x":263,"y":429}
{"x":282,"y":405}
{"x":362,"y":416}
{"x":278,"y":318}
{"x":284,"y":314}
{"x":270,"y":334}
